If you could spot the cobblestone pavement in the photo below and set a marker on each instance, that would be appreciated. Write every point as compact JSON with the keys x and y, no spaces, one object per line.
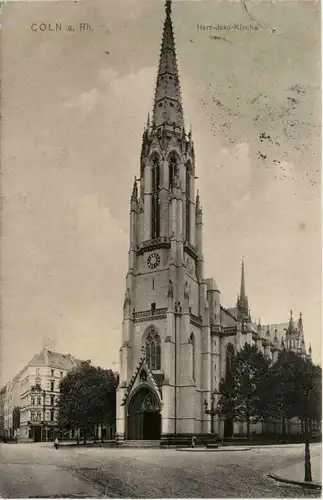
{"x":142,"y":473}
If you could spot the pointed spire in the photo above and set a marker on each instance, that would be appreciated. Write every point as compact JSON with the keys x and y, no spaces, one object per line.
{"x":300,"y":323}
{"x":168,"y":101}
{"x":134,"y":195}
{"x":242,"y":302}
{"x":198,"y":206}
{"x":291,"y":323}
{"x":242,"y":286}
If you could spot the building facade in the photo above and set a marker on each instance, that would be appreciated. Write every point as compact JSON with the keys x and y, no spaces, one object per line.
{"x":35,"y":390}
{"x":176,"y":334}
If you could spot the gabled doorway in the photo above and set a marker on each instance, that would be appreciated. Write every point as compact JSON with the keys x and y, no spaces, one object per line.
{"x":144,"y":418}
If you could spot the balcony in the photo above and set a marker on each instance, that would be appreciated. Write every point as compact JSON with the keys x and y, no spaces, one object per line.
{"x":154,"y":244}
{"x":150,"y":314}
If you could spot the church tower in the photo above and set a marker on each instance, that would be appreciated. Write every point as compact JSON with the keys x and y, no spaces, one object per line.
{"x":165,"y":353}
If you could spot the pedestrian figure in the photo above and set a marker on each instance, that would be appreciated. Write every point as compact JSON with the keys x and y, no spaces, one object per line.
{"x":56,"y":443}
{"x":193,"y":441}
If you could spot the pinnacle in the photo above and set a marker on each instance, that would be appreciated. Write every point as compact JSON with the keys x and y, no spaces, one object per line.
{"x":134,"y":191}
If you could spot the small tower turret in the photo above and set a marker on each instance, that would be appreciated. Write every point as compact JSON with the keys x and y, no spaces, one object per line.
{"x":291,"y":326}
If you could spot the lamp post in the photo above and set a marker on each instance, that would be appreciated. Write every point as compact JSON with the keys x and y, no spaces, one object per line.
{"x":307,"y":465}
{"x":213,"y":410}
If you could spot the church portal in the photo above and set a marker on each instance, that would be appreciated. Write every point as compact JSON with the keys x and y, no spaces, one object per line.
{"x":144,"y":418}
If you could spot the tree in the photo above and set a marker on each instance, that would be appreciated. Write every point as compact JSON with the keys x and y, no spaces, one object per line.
{"x":87,"y":397}
{"x":293,"y":389}
{"x":308,"y":390}
{"x":242,"y":395}
{"x":16,"y":418}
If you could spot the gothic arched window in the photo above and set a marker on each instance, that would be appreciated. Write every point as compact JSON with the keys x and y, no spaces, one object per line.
{"x":153,"y":350}
{"x":192,"y":340}
{"x":229,"y":356}
{"x":188,"y":198}
{"x":155,"y":212}
{"x":173,"y":171}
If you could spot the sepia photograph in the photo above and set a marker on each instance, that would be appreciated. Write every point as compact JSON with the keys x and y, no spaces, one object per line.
{"x":161,"y":249}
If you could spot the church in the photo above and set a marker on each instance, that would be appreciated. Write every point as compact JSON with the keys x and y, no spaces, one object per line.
{"x":177,"y":337}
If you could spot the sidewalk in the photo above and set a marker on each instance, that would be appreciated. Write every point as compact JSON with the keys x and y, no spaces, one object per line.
{"x":219,"y":449}
{"x":294,"y":474}
{"x":244,"y":447}
{"x":73,"y":443}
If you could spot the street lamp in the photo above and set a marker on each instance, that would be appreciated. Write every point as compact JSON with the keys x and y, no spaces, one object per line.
{"x":307,"y":465}
{"x":213,"y":410}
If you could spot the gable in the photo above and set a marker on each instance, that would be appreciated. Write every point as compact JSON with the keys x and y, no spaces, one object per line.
{"x":227,"y":318}
{"x":142,"y":377}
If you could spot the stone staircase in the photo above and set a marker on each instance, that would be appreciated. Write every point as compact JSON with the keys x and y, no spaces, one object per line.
{"x":141,"y":444}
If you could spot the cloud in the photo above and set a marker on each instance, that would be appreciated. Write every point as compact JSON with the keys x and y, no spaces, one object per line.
{"x":95,"y":222}
{"x":84,"y":103}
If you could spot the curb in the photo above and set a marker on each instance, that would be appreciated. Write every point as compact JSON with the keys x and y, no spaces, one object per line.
{"x":224,"y":448}
{"x":304,"y":484}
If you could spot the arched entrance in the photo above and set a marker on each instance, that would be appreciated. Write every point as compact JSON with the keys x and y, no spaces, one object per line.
{"x":144,"y":418}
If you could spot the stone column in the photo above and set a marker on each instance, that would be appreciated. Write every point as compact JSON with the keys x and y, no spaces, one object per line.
{"x":192,"y":209}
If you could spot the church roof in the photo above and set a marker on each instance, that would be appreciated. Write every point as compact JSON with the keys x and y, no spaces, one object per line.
{"x":233,"y":311}
{"x":211,"y":285}
{"x":228,"y":317}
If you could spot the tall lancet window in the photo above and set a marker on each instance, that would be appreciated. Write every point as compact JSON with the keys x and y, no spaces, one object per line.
{"x":229,"y":356}
{"x":173,"y":171}
{"x":188,"y":198}
{"x":192,"y":340}
{"x":153,"y":350}
{"x":155,"y":213}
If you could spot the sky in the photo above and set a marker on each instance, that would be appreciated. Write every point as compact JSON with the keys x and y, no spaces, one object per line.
{"x":74,"y":106}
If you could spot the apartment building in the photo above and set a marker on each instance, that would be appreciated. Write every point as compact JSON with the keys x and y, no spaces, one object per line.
{"x":36,"y":391}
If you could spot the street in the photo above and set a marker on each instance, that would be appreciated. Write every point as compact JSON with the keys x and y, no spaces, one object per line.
{"x":37,"y":470}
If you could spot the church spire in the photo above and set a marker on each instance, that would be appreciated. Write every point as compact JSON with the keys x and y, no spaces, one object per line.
{"x":168,"y":103}
{"x":242,"y":302}
{"x":291,"y":327}
{"x":242,"y":286}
